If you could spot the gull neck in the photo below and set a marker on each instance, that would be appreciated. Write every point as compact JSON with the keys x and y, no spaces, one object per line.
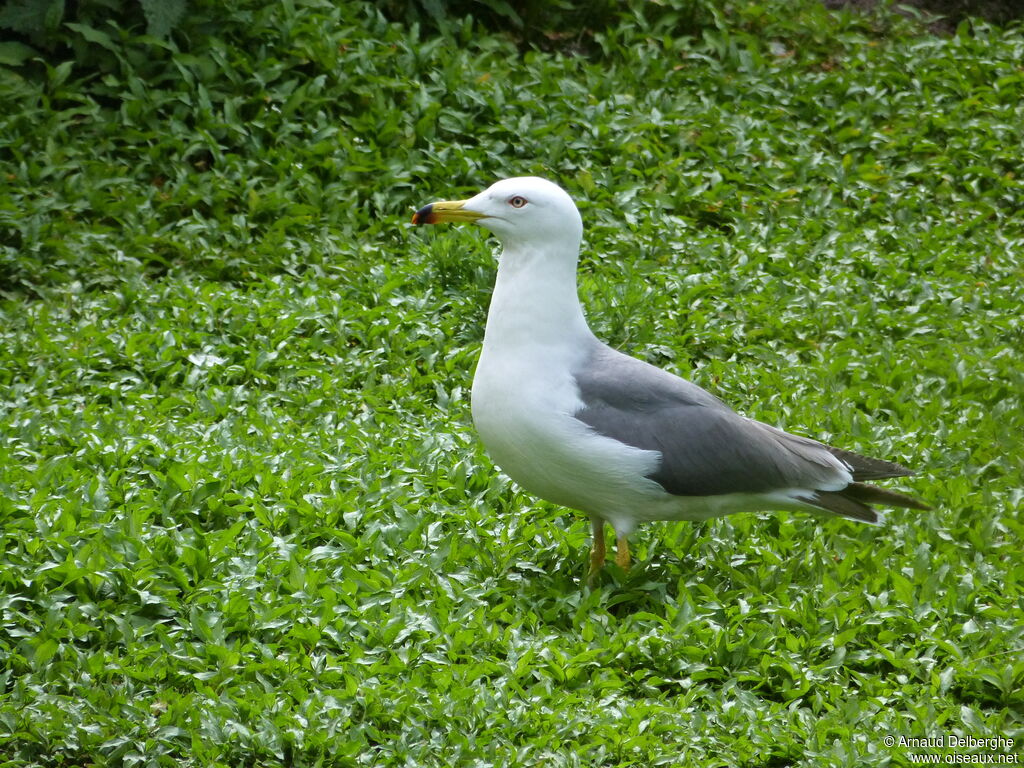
{"x":535,"y":299}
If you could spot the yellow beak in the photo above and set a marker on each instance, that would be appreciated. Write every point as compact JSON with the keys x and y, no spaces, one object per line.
{"x":447,"y":211}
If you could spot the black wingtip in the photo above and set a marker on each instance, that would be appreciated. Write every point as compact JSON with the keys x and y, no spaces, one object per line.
{"x":867,"y":468}
{"x":853,"y":500}
{"x":840,"y":504}
{"x":872,"y":494}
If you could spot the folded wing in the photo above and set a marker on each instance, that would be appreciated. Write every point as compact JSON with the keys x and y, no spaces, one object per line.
{"x":707,"y":449}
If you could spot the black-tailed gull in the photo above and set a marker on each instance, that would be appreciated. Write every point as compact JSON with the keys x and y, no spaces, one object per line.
{"x":579,"y":424}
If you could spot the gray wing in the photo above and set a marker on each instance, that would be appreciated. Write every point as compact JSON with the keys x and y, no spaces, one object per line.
{"x":707,"y":449}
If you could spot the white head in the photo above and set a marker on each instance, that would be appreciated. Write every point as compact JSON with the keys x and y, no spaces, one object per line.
{"x":523,"y":212}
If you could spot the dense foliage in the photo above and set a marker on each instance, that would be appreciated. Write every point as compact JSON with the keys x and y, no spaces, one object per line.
{"x":245,"y":520}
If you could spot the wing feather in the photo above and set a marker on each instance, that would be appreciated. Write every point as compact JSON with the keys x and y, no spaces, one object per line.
{"x":707,"y":449}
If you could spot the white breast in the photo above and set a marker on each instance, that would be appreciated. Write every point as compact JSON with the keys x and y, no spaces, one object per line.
{"x":523,"y":406}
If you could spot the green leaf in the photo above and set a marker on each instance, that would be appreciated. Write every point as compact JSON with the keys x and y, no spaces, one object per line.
{"x":94,"y":35}
{"x":162,"y":16}
{"x":28,"y":16}
{"x":15,"y":54}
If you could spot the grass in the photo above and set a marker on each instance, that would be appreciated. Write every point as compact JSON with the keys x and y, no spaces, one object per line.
{"x":245,"y":519}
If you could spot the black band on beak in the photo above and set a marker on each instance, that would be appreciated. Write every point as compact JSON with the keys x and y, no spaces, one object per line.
{"x":424,"y":215}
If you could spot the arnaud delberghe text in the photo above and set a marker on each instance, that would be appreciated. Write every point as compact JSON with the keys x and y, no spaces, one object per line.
{"x":951,"y":741}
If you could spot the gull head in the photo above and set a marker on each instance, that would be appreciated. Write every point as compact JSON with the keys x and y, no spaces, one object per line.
{"x":522,"y":212}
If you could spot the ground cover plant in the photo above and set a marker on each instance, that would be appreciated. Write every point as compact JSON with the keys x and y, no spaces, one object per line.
{"x":243,"y":514}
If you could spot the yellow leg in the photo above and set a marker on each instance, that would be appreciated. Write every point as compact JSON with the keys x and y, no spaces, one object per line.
{"x":597,"y":551}
{"x":622,"y":553}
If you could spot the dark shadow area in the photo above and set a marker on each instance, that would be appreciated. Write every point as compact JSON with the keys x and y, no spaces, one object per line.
{"x":952,"y":12}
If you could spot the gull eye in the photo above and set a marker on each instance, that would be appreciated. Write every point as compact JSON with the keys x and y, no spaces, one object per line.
{"x":517,"y":201}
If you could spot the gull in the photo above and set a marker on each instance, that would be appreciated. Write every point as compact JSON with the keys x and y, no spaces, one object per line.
{"x":584,"y":426}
